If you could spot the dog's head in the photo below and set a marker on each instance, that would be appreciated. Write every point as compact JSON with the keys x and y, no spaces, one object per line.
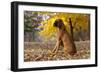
{"x":58,"y":23}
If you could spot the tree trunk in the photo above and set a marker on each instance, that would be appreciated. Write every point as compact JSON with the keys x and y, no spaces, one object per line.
{"x":71,"y":27}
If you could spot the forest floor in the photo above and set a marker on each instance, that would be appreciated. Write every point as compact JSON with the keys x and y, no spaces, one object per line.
{"x":42,"y":52}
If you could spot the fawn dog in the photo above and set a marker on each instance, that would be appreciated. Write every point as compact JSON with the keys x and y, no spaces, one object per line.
{"x":63,"y":39}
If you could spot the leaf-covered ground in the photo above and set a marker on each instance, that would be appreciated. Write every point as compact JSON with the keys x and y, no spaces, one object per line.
{"x":42,"y":52}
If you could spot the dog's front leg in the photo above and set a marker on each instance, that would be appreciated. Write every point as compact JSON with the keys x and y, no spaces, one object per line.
{"x":58,"y":45}
{"x":55,"y":50}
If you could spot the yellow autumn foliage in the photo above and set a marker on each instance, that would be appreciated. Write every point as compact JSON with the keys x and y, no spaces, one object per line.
{"x":49,"y":30}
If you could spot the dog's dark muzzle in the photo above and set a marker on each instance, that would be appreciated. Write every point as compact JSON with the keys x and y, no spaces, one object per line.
{"x":55,"y":24}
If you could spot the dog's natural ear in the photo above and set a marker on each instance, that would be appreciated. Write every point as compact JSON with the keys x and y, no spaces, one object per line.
{"x":61,"y":22}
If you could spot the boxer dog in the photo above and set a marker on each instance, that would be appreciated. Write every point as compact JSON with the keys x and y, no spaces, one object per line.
{"x":63,"y":39}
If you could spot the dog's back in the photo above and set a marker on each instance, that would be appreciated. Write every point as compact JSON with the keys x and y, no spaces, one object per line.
{"x":69,"y":46}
